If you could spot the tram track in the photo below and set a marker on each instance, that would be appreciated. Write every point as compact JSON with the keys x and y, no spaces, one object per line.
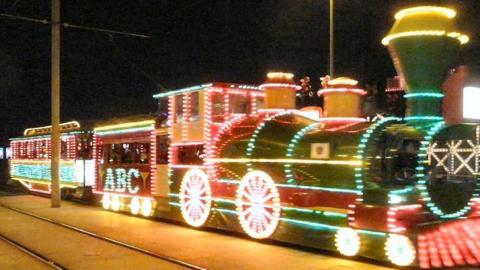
{"x":37,"y":256}
{"x":91,"y":234}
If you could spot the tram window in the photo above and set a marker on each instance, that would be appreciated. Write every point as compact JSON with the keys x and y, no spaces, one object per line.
{"x":178,"y":116}
{"x":194,"y":105}
{"x":217,"y":107}
{"x":239,"y":104}
{"x":84,"y":147}
{"x":191,"y":154}
{"x":259,"y":101}
{"x":43,"y":154}
{"x":406,"y":162}
{"x":126,"y":153}
{"x":23,"y":150}
{"x":143,"y":153}
{"x":63,"y":149}
{"x":162,"y":149}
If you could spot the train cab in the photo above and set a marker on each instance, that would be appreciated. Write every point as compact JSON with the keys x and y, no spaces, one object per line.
{"x":197,"y":113}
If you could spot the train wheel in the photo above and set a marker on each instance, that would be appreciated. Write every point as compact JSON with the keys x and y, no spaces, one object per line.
{"x":258,"y":204}
{"x":147,"y":207}
{"x":116,"y":203}
{"x":195,"y":197}
{"x":347,"y":241}
{"x":135,"y":206}
{"x":106,"y":202}
{"x":400,"y":250}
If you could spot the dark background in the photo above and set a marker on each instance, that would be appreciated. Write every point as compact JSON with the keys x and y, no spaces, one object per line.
{"x":193,"y":42}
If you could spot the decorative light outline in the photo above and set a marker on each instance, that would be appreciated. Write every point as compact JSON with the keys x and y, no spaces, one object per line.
{"x":347,"y":241}
{"x":135,"y":205}
{"x":286,"y":160}
{"x":400,"y":250}
{"x":280,"y":85}
{"x":424,"y":94}
{"x":447,"y":12}
{"x":340,"y":190}
{"x":257,"y":210}
{"x":280,"y":75}
{"x":422,"y":182}
{"x":189,"y":196}
{"x":126,"y":125}
{"x":294,"y":141}
{"x":182,"y":91}
{"x":424,"y":118}
{"x":115,"y":202}
{"x":147,"y":207}
{"x":74,"y":124}
{"x":460,"y":37}
{"x":341,"y":90}
{"x":106,"y":202}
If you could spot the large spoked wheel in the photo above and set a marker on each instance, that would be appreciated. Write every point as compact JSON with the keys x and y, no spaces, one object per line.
{"x":347,"y":241}
{"x":195,"y":197}
{"x":400,"y":250}
{"x":258,"y":204}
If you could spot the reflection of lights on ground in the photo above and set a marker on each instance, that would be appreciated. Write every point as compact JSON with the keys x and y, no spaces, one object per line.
{"x":347,"y":241}
{"x":195,"y":197}
{"x":400,"y":250}
{"x":258,"y":204}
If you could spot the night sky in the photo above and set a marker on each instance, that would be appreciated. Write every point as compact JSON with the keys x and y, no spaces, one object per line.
{"x":193,"y":42}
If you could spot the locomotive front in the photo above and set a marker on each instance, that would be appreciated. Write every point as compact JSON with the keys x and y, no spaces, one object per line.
{"x":398,"y":189}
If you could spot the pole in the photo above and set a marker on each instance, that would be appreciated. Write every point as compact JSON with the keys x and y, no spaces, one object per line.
{"x":330,"y":71}
{"x":55,"y":161}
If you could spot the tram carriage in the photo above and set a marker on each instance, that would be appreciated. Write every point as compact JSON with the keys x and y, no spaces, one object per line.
{"x":244,"y":158}
{"x":30,"y":163}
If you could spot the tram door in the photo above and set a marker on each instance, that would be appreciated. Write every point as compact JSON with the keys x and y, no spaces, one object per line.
{"x":161,"y":185}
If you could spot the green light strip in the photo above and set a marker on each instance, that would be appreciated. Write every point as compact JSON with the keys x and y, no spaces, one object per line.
{"x":294,"y":221}
{"x":402,"y":191}
{"x":364,"y":140}
{"x":340,"y":190}
{"x":426,"y":118}
{"x":291,"y":147}
{"x":303,"y":210}
{"x":123,"y":131}
{"x":311,"y":224}
{"x":182,"y":91}
{"x":45,"y":136}
{"x":424,"y":94}
{"x":253,"y":138}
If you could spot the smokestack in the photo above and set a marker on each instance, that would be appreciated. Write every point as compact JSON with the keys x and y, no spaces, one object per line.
{"x":423,"y":43}
{"x":280,"y":91}
{"x":342,"y":98}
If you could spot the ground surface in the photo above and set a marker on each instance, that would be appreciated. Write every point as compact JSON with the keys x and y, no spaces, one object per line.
{"x":11,"y":258}
{"x":211,"y":250}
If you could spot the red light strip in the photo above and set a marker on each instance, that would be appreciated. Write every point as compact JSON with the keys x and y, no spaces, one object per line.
{"x":153,"y":161}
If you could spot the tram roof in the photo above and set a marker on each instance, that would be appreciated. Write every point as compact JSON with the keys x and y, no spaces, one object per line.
{"x":201,"y":87}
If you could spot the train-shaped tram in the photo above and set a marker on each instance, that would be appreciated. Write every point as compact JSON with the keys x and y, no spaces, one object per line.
{"x":244,"y":158}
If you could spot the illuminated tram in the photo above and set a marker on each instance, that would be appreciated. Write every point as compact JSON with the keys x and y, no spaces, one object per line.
{"x":30,"y":163}
{"x":244,"y":158}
